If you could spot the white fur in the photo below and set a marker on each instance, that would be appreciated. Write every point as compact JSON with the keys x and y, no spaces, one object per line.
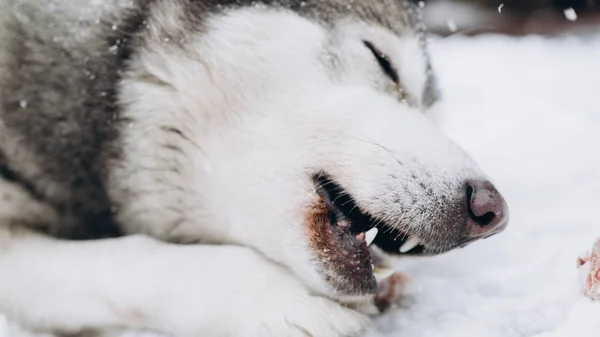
{"x":138,"y":282}
{"x":269,"y":113}
{"x":260,"y":113}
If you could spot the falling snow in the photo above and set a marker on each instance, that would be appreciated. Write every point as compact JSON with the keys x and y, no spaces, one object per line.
{"x":451,"y":25}
{"x":570,"y":14}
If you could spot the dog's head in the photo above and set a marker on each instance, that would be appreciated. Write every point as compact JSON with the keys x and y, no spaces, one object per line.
{"x":313,"y":128}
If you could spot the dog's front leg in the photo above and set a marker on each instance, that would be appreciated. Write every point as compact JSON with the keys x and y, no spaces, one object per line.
{"x":137,"y":282}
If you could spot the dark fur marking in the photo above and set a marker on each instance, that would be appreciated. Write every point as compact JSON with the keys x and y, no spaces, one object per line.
{"x":174,"y":130}
{"x":334,"y":250}
{"x":71,"y":118}
{"x":179,"y":133}
{"x":11,"y":176}
{"x":172,"y":148}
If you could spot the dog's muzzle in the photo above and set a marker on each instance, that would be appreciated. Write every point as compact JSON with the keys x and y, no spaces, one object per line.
{"x":341,"y":233}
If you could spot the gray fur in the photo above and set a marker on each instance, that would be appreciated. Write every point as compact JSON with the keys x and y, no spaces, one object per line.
{"x":58,"y":108}
{"x":60,"y":65}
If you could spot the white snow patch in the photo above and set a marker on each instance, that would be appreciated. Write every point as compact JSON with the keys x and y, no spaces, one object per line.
{"x":570,"y":14}
{"x":527,"y":110}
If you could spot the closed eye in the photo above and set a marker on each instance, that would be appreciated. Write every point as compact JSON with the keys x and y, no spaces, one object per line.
{"x":384,"y":61}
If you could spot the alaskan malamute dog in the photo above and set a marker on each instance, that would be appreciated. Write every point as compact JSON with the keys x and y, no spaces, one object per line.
{"x":217,"y":167}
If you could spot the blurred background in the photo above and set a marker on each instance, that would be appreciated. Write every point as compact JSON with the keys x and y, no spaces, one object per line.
{"x":513,"y":17}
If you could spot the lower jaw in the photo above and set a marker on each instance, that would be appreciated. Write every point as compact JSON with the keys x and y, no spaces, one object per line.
{"x":355,"y":279}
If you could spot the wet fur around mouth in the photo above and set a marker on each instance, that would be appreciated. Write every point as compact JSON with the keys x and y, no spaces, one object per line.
{"x":334,"y":223}
{"x":344,"y":261}
{"x":389,"y":238}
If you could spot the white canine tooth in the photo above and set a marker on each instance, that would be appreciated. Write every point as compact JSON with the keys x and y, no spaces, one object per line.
{"x":382,"y":273}
{"x":371,"y":234}
{"x":410,"y":244}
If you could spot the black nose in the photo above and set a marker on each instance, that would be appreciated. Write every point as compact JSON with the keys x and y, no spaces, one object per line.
{"x":487,"y":210}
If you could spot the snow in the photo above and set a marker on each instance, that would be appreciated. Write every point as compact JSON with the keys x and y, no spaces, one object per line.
{"x":570,"y":14}
{"x":528,"y":110}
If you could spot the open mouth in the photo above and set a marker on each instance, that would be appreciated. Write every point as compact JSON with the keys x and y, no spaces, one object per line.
{"x":340,"y":232}
{"x":345,"y":234}
{"x":345,"y":213}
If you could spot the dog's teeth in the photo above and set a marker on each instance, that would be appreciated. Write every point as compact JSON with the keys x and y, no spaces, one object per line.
{"x":371,"y":234}
{"x":382,"y":273}
{"x":409,"y":245}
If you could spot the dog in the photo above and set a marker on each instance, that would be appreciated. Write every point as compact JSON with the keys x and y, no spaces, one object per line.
{"x":219,"y":167}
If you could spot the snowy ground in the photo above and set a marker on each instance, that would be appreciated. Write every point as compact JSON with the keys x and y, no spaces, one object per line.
{"x":528,"y":110}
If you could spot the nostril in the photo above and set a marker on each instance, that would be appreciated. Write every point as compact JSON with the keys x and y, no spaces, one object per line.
{"x":484,"y":203}
{"x":486,"y":219}
{"x":487,"y":212}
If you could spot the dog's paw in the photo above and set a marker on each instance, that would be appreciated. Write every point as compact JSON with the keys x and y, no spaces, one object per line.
{"x":309,"y":317}
{"x":244,"y":295}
